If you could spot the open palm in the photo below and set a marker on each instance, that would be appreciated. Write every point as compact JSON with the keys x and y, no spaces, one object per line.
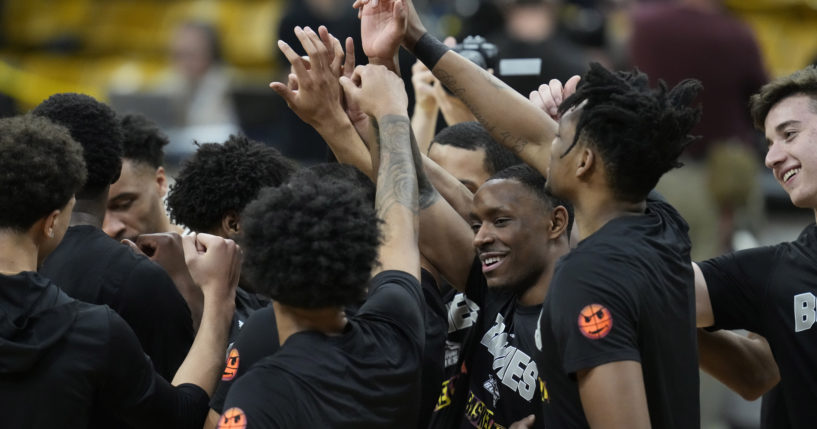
{"x":382,"y":28}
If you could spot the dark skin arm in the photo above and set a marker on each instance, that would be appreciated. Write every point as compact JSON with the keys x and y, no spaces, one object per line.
{"x":528,"y":131}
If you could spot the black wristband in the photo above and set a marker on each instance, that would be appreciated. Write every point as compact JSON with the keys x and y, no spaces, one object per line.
{"x":429,"y":50}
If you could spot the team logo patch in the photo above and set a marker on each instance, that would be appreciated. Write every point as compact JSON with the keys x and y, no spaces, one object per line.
{"x":595,"y":321}
{"x":234,"y":418}
{"x":231,"y":369}
{"x":492,"y":387}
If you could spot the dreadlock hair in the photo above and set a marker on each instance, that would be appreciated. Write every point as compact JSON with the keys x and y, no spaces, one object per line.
{"x":639,"y":132}
{"x":535,"y":182}
{"x":143,"y":141}
{"x":473,"y":136}
{"x":221,"y":178}
{"x":93,"y":125}
{"x":800,"y":82}
{"x":311,"y":242}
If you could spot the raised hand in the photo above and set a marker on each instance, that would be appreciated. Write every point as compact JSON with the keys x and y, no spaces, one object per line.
{"x":382,"y":28}
{"x":549,"y":96}
{"x":214,"y":264}
{"x":423,"y":82}
{"x":376,"y":90}
{"x":167,"y":250}
{"x":312,"y":90}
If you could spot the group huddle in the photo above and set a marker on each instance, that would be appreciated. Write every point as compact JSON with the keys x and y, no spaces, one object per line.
{"x":515,"y":272}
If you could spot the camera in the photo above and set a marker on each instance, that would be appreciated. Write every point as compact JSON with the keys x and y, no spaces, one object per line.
{"x":479,"y":51}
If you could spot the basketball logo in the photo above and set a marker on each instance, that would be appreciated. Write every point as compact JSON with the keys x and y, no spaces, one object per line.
{"x":595,"y":321}
{"x":233,"y":418}
{"x":232,"y":366}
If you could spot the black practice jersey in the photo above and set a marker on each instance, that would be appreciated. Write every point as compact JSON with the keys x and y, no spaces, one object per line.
{"x":367,"y":377}
{"x":772,"y":290}
{"x":92,"y":267}
{"x":625,"y":293}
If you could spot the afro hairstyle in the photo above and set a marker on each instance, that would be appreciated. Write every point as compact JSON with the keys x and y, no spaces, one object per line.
{"x":535,"y":182}
{"x":42,"y":168}
{"x":224,"y":178}
{"x":310,"y":243}
{"x":334,"y":171}
{"x":143,"y":141}
{"x":638,"y":131}
{"x":473,"y":136}
{"x":95,"y":126}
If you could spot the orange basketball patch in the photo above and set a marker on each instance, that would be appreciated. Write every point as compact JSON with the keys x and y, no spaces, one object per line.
{"x":232,"y":366}
{"x":233,"y":418}
{"x":595,"y":321}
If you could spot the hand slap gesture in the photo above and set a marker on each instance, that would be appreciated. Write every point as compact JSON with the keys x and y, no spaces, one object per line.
{"x":312,"y":91}
{"x":549,"y":96}
{"x":377,"y":91}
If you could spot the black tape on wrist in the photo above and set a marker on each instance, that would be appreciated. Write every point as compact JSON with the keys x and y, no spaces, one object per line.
{"x":429,"y":50}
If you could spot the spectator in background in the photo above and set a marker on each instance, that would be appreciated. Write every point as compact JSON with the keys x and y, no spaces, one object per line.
{"x":201,"y":85}
{"x":699,"y":39}
{"x":532,"y":31}
{"x":136,"y":200}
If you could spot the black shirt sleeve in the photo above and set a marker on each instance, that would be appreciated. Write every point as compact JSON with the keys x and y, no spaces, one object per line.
{"x":736,"y":283}
{"x":149,"y":301}
{"x":137,"y":394}
{"x":261,"y":404}
{"x":396,"y":296}
{"x":256,"y":340}
{"x":594,"y":314}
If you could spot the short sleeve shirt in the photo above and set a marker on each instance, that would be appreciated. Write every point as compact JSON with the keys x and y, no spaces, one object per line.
{"x":772,"y":290}
{"x":625,"y":293}
{"x":367,"y":377}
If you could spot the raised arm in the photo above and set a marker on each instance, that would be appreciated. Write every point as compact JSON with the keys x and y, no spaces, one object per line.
{"x":215,"y":265}
{"x":509,"y":117}
{"x":381,"y":94}
{"x":316,"y":98}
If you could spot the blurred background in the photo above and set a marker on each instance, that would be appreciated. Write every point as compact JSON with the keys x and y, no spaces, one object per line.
{"x":201,"y":68}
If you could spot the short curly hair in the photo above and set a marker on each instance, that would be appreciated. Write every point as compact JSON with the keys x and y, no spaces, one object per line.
{"x":95,"y":126}
{"x":535,"y":182}
{"x":638,"y":131}
{"x":802,"y":81}
{"x":42,"y":168}
{"x":473,"y":136}
{"x":143,"y":141}
{"x":310,"y":243}
{"x":223,"y":178}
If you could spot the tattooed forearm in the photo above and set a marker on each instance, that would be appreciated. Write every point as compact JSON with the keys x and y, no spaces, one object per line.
{"x":505,"y":137}
{"x":427,"y":194}
{"x":396,"y":177}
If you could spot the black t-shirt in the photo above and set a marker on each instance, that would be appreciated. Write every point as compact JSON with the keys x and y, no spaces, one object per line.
{"x":773,"y":291}
{"x":92,"y":267}
{"x":436,"y":327}
{"x":501,"y":379}
{"x":66,"y":363}
{"x":367,"y":377}
{"x":257,"y":339}
{"x":625,"y":293}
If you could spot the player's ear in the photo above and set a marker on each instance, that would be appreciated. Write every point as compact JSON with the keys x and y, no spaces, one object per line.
{"x":161,"y":181}
{"x":230,"y":224}
{"x":558,"y":222}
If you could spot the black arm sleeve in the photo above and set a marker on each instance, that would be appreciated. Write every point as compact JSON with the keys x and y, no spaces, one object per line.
{"x":137,"y":394}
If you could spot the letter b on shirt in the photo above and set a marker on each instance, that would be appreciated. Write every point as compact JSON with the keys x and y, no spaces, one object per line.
{"x":805,"y":311}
